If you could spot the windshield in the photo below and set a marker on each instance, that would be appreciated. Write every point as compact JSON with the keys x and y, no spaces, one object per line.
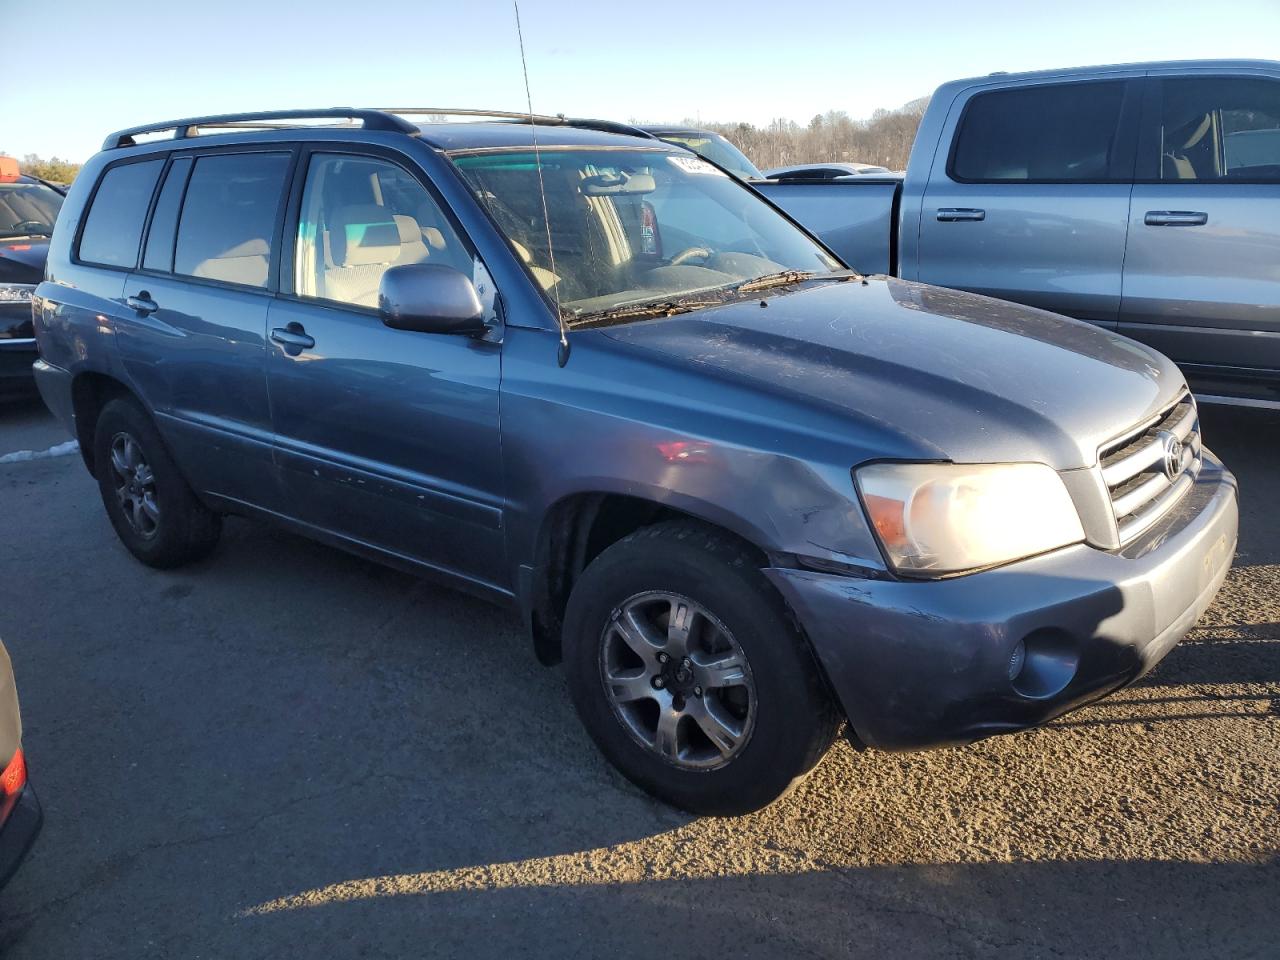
{"x":718,"y":150}
{"x":28,"y":209}
{"x":635,"y":225}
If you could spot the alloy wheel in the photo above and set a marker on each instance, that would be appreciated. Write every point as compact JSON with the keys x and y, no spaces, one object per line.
{"x":135,"y":485}
{"x":678,"y":680}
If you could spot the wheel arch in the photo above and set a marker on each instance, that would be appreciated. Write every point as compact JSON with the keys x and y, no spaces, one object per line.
{"x":91,"y":391}
{"x":574,"y":531}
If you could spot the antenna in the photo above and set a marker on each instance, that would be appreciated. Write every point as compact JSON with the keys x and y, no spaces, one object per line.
{"x":563,"y":354}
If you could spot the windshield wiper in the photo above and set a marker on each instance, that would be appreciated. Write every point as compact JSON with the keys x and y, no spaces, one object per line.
{"x":637,"y":311}
{"x":792,"y":276}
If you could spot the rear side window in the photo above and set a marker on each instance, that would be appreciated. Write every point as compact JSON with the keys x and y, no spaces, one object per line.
{"x":228,"y":219}
{"x":1056,"y":133}
{"x":113,"y":228}
{"x":164,"y":220}
{"x":1220,"y":128}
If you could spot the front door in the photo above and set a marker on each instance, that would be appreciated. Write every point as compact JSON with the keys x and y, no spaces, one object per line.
{"x":1033,"y":203}
{"x":1202,"y":272}
{"x":385,"y":437}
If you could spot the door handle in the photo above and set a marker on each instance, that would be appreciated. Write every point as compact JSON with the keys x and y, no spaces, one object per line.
{"x":1175,"y":218}
{"x":956,"y":214}
{"x":142,"y":304}
{"x":293,"y":337}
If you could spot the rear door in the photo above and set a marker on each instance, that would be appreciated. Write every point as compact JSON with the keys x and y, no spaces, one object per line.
{"x":195,"y":345}
{"x":1202,"y":272}
{"x":386,"y":437}
{"x":1032,"y":202}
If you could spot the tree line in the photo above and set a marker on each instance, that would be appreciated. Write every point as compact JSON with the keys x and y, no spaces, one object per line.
{"x":884,"y":138}
{"x":55,"y":169}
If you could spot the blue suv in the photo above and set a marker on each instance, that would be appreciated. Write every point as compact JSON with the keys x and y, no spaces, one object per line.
{"x":743,"y":493}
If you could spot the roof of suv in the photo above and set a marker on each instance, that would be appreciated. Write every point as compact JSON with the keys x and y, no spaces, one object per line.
{"x":490,"y":130}
{"x":491,"y":134}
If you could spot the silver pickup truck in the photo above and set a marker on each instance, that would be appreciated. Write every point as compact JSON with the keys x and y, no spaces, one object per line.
{"x":1144,"y":198}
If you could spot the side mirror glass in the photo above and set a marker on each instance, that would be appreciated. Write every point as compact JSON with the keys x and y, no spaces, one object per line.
{"x":430,"y":298}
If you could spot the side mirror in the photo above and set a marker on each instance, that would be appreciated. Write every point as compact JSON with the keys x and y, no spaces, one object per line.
{"x":430,"y":298}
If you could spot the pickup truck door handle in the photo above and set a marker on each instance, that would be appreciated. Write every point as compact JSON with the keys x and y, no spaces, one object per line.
{"x":293,"y":337}
{"x":1175,"y":218}
{"x":954,"y":214}
{"x":142,"y":304}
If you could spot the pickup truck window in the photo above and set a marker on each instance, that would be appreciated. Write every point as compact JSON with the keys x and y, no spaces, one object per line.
{"x":1220,"y":128}
{"x":1056,"y":133}
{"x":113,"y":228}
{"x":631,"y":226}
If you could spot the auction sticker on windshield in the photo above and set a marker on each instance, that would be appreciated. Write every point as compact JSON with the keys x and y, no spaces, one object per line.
{"x":696,"y":165}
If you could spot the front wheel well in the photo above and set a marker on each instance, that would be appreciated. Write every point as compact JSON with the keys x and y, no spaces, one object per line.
{"x":90,"y":392}
{"x":578,"y":529}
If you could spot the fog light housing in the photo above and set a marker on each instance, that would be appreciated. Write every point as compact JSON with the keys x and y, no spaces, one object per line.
{"x":1049,"y":660}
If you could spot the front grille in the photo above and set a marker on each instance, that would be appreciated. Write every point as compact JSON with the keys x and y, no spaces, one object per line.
{"x":1151,"y":467}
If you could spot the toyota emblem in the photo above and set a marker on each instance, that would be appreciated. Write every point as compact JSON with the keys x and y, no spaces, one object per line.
{"x":1172,"y":455}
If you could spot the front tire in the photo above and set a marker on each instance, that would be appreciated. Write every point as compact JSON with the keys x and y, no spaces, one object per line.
{"x":688,"y":673}
{"x":154,"y":512}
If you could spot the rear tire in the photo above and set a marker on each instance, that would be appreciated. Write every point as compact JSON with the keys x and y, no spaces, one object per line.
{"x":743,"y":720}
{"x":155,"y":513}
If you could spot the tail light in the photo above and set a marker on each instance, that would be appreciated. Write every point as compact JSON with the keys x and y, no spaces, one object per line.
{"x":12,"y":780}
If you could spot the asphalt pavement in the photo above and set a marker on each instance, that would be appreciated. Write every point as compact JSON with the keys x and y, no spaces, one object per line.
{"x":285,"y":751}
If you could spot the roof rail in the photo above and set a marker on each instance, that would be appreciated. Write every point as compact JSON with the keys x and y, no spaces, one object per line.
{"x":524,"y":115}
{"x":369,"y":120}
{"x":556,"y":120}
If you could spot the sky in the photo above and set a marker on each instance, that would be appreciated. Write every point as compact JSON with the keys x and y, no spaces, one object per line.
{"x":98,"y":66}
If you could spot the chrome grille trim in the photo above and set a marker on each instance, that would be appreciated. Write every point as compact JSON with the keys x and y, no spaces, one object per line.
{"x":1133,"y":467}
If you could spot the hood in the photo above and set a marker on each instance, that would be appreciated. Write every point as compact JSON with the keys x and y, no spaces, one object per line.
{"x":959,"y":376}
{"x":22,"y":259}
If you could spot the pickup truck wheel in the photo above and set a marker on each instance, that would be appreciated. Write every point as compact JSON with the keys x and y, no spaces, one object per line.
{"x":689,"y":675}
{"x":154,"y":512}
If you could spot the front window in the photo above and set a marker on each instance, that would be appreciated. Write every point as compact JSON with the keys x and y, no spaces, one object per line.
{"x":1220,"y":128}
{"x":634,"y":226}
{"x":362,"y":216}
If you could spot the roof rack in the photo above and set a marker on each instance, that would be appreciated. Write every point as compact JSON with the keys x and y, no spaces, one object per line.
{"x":388,"y":119}
{"x":182,"y":129}
{"x":556,"y":120}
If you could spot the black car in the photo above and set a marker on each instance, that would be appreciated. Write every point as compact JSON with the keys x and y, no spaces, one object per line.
{"x":28,"y":209}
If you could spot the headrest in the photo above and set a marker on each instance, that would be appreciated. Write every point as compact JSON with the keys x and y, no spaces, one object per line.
{"x":363,"y":233}
{"x":1198,"y":134}
{"x":408,"y":228}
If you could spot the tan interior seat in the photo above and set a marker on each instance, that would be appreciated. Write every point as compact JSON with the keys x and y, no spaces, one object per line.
{"x":244,"y":263}
{"x":414,"y":245}
{"x":363,"y":241}
{"x":1176,"y":165}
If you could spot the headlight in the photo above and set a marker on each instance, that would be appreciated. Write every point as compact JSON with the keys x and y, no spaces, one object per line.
{"x":934,"y":519}
{"x":16,"y":292}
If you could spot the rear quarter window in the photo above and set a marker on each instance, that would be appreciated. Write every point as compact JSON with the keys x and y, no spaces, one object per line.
{"x":1054,"y":133}
{"x":113,"y":228}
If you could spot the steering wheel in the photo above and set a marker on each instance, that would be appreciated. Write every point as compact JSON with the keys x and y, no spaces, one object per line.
{"x":30,"y":225}
{"x":689,"y":253}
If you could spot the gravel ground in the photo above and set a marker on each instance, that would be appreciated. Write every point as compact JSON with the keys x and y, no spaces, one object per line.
{"x":285,"y":751}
